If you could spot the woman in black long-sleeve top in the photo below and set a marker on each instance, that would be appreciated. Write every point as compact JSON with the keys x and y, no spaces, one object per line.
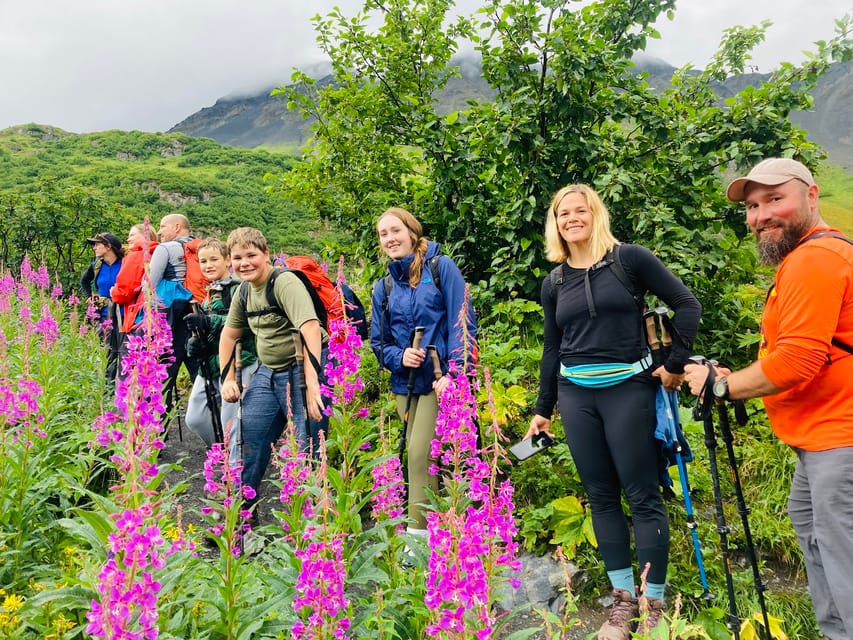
{"x":593,"y":327}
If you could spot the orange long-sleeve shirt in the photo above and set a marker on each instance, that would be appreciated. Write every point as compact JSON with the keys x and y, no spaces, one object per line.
{"x":811,"y":302}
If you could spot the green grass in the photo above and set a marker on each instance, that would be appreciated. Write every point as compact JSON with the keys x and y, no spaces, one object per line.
{"x":836,"y":197}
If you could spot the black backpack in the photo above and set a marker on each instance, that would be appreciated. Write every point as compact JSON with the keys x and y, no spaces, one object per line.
{"x":612,"y":260}
{"x":272,"y":303}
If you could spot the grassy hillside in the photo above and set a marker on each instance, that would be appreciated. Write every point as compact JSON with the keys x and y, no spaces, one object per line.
{"x":116,"y":178}
{"x":836,"y":197}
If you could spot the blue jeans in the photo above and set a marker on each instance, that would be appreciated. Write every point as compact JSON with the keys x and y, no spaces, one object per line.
{"x":265,"y":410}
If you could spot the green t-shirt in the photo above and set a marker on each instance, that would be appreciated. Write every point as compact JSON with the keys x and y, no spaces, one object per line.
{"x":273,"y":339}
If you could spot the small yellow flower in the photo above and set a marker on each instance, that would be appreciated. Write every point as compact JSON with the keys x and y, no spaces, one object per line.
{"x":12,"y":602}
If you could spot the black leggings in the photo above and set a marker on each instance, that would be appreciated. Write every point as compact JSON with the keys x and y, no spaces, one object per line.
{"x":610,"y":433}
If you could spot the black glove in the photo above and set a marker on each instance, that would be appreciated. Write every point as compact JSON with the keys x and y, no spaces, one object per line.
{"x":198,"y":322}
{"x":197,"y":348}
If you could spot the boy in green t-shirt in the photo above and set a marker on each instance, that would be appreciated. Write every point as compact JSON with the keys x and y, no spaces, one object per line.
{"x":275,"y":387}
{"x":204,"y":328}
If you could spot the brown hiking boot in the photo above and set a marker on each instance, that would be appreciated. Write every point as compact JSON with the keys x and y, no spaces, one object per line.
{"x":621,"y":621}
{"x":650,"y":625}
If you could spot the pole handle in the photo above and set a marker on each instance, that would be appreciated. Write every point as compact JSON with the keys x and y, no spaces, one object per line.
{"x":651,"y":333}
{"x":419,"y":335}
{"x":436,"y":363}
{"x":238,"y":365}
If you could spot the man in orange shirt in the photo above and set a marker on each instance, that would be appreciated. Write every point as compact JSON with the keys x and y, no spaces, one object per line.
{"x":804,"y":372}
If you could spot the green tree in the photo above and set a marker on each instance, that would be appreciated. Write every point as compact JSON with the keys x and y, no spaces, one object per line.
{"x":566,"y":109}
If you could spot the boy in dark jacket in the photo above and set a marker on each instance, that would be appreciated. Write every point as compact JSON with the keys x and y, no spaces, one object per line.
{"x":204,"y":326}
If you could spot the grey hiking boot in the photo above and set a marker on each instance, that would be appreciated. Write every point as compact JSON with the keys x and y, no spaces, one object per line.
{"x":651,"y":624}
{"x":622,"y":618}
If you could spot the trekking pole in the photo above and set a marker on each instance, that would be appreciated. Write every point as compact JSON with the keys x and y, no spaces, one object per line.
{"x":300,"y":376}
{"x":743,"y":510}
{"x":436,"y":362}
{"x":410,"y":386}
{"x":671,"y":399}
{"x":238,"y":378}
{"x":704,"y":411}
{"x":211,"y":393}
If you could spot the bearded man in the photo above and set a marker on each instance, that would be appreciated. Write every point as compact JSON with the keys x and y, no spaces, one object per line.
{"x":804,"y":372}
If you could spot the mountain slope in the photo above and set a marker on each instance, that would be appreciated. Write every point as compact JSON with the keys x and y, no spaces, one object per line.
{"x":264,"y":120}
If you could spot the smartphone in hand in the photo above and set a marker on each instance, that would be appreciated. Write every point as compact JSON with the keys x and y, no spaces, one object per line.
{"x":532,"y":445}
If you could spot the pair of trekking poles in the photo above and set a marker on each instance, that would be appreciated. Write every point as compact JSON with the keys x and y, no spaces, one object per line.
{"x":417,"y":338}
{"x":704,"y":411}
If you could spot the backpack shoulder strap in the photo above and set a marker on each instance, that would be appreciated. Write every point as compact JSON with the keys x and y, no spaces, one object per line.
{"x":272,"y":302}
{"x":825,"y":234}
{"x":619,"y":271}
{"x":831,"y":234}
{"x":436,"y":274}
{"x":557,"y":276}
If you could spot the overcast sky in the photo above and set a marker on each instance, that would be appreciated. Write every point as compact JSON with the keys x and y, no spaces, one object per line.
{"x":91,"y":65}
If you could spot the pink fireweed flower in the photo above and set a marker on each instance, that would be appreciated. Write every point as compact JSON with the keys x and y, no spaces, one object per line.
{"x":21,"y":407}
{"x":472,"y":543}
{"x":127,"y":588}
{"x":342,"y":367}
{"x":47,"y":327}
{"x":389,"y":491}
{"x":320,"y":602}
{"x":7,"y":290}
{"x":295,"y":468}
{"x":223,"y":481}
{"x":56,"y":292}
{"x":455,"y":429}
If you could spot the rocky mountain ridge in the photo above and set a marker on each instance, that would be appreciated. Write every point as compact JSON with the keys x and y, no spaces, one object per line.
{"x":264,"y":120}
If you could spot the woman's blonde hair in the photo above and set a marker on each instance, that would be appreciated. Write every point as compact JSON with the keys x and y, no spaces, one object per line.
{"x":601,"y":239}
{"x":419,"y":241}
{"x":142,"y":228}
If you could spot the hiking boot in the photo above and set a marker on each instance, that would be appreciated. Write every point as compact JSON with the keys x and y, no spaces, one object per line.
{"x":651,"y":624}
{"x":622,"y":618}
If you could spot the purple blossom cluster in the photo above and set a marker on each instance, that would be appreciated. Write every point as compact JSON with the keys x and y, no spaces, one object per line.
{"x":40,"y":278}
{"x":222,"y":480}
{"x":46,"y":327}
{"x":127,"y":609}
{"x":320,"y":601}
{"x":389,"y":491}
{"x":21,"y":407}
{"x":295,"y":469}
{"x":8,"y":287}
{"x":343,"y":381}
{"x":127,"y":604}
{"x":472,"y":542}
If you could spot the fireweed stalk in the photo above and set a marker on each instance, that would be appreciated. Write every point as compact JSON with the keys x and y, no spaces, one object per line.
{"x":228,"y":519}
{"x":319,"y":600}
{"x":472,"y":539}
{"x":22,"y":433}
{"x":127,"y":587}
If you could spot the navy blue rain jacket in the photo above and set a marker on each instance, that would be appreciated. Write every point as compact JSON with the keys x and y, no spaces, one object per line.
{"x":393,"y":325}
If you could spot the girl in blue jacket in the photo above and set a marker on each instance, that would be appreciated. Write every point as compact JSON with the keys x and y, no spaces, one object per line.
{"x":425,"y":289}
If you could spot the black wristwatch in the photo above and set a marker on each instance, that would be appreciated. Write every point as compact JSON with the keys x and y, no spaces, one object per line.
{"x":721,"y":388}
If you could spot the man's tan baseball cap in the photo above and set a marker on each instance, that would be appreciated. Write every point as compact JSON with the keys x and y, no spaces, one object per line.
{"x":770,"y":172}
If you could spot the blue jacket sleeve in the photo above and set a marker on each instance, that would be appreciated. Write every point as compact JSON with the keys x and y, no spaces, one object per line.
{"x":461,"y":328}
{"x":382,"y":342}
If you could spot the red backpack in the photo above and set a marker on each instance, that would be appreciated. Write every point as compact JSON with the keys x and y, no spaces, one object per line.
{"x":325,"y":296}
{"x":194,"y":280}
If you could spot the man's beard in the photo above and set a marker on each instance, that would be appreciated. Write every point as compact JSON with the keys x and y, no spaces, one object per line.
{"x":773,"y":251}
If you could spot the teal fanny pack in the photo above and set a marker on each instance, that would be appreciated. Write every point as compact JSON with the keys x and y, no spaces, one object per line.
{"x":597,"y":376}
